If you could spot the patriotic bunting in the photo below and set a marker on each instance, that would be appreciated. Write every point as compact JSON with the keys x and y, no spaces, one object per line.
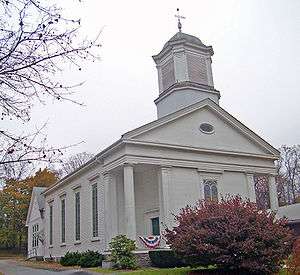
{"x":151,"y":241}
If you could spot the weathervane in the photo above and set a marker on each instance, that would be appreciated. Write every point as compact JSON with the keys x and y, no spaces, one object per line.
{"x":178,"y":16}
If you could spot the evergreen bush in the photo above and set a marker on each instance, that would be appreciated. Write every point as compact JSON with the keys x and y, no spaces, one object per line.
{"x":90,"y":259}
{"x":165,"y":258}
{"x":121,"y":252}
{"x":70,"y":259}
{"x":83,"y":259}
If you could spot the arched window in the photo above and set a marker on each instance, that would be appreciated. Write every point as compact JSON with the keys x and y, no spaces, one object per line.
{"x":210,"y":190}
{"x":262,"y":192}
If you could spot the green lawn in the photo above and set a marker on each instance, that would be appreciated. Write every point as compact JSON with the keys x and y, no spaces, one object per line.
{"x":149,"y":271}
{"x":157,"y":271}
{"x":283,"y":272}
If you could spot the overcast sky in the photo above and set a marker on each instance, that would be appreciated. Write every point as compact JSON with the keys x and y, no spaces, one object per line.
{"x":255,"y":67}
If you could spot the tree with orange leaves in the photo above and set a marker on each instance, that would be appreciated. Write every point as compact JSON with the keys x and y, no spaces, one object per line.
{"x":14,"y":202}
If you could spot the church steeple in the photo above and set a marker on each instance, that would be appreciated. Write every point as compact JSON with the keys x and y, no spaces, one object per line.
{"x":184,"y":73}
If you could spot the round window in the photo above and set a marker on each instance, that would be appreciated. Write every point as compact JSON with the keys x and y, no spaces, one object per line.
{"x":206,"y":128}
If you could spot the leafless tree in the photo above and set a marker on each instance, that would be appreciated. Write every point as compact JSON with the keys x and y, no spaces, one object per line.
{"x":36,"y":41}
{"x":288,"y":180}
{"x":72,"y":163}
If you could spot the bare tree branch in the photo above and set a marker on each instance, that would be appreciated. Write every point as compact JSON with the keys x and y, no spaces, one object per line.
{"x":36,"y":42}
{"x":288,"y":180}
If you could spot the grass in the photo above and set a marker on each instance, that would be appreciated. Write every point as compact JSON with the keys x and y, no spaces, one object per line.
{"x":104,"y":270}
{"x":148,"y":271}
{"x":160,"y":271}
{"x":167,"y":271}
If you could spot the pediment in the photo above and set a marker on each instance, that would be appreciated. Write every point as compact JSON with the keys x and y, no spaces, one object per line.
{"x":33,"y":210}
{"x":182,"y":129}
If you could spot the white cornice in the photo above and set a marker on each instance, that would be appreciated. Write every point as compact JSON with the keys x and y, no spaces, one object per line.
{"x":199,"y":150}
{"x":97,"y":159}
{"x":186,"y":45}
{"x":196,"y":164}
{"x":187,"y":86}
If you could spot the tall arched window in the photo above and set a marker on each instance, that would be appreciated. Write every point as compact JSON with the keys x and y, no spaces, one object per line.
{"x":210,"y":190}
{"x":262,"y":192}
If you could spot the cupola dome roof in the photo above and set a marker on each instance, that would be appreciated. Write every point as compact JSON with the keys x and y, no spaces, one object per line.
{"x":184,"y":37}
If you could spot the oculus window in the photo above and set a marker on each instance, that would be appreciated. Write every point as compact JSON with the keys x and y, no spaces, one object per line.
{"x":206,"y":128}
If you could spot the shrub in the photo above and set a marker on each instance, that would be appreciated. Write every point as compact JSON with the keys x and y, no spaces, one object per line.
{"x":70,"y":259}
{"x":293,"y":264}
{"x":121,"y":252}
{"x":232,"y":234}
{"x":165,"y":258}
{"x":84,"y":259}
{"x":90,"y":259}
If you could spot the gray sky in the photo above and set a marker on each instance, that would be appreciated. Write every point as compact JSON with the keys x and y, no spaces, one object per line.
{"x":255,"y":66}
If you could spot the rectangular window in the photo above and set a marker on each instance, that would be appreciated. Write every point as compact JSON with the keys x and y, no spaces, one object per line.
{"x":33,"y":231}
{"x":51,"y":225}
{"x":35,"y":239}
{"x":77,"y":216}
{"x":155,"y":226}
{"x":95,"y":209}
{"x":63,"y":220}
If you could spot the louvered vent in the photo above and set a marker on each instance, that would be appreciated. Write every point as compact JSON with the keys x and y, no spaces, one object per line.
{"x":197,"y":69}
{"x":168,"y":77}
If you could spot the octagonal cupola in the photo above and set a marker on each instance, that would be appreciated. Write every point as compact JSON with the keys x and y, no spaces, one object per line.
{"x":184,"y":73}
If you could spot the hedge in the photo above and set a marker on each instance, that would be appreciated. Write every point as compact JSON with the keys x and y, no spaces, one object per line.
{"x":165,"y":258}
{"x":84,"y":259}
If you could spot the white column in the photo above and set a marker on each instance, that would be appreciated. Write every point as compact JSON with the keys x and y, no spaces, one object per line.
{"x":201,"y":185}
{"x":164,"y":185}
{"x":107,"y":216}
{"x":273,"y":193}
{"x":129,"y":202}
{"x":251,"y":187}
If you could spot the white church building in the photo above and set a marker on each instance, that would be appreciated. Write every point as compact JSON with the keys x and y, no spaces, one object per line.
{"x":194,"y":150}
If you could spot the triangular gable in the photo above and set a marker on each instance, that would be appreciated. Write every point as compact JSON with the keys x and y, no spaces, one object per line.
{"x":181,"y":128}
{"x":36,"y":202}
{"x":31,"y":204}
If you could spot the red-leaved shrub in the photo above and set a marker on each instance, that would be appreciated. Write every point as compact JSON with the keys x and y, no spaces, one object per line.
{"x":231,"y":234}
{"x":293,"y":264}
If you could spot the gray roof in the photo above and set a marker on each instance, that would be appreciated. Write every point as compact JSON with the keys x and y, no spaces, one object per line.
{"x":37,"y":191}
{"x":187,"y":38}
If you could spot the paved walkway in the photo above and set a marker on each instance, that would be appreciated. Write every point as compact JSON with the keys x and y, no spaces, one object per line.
{"x":10,"y":267}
